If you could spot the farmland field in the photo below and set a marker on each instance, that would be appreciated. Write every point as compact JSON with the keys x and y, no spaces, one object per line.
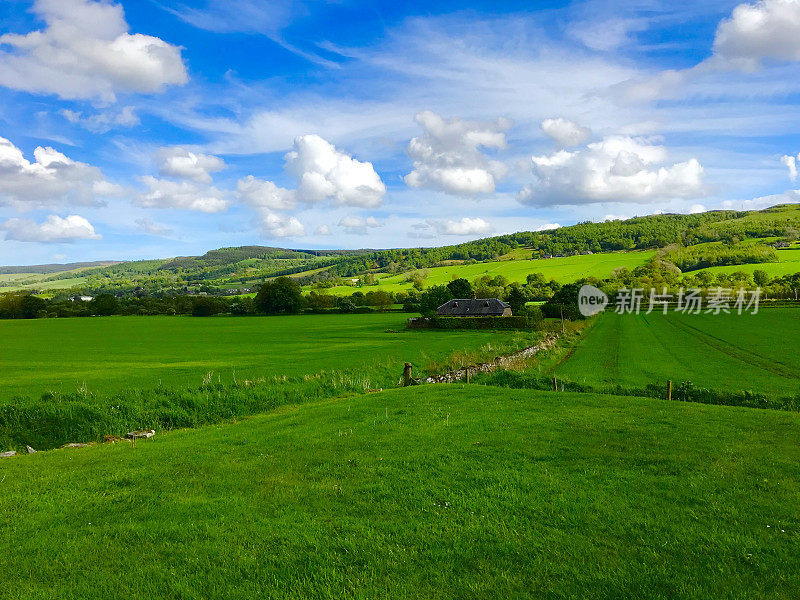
{"x":110,"y":353}
{"x":564,"y":270}
{"x":727,"y":352}
{"x":440,"y":491}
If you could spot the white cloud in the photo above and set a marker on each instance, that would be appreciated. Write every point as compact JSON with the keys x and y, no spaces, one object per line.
{"x":565,"y":133}
{"x":85,"y":51}
{"x":103,"y":122}
{"x":53,"y":229}
{"x":184,"y":164}
{"x":697,"y":208}
{"x":265,"y":194}
{"x":357,"y":225}
{"x":187,"y":195}
{"x":548,"y":227}
{"x":791,"y":163}
{"x":464,"y":226}
{"x":613,"y":217}
{"x":151,"y":227}
{"x":606,"y":35}
{"x":448,"y":156}
{"x":281,"y":226}
{"x":325,"y":173}
{"x":616,"y":169}
{"x":322,"y":230}
{"x":50,"y":180}
{"x":764,"y":30}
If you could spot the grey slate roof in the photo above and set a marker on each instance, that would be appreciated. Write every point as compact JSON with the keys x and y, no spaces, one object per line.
{"x":473,"y":307}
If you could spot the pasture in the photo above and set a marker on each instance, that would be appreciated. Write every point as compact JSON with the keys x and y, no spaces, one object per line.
{"x":106,"y":354}
{"x":726,"y":351}
{"x":440,"y":491}
{"x":564,"y":270}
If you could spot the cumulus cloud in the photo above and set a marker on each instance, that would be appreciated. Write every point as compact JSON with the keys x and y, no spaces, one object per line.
{"x":51,"y":179}
{"x":697,"y":208}
{"x":548,"y":227}
{"x":105,"y":121}
{"x":325,"y":173}
{"x":187,"y":195}
{"x":184,"y":164}
{"x":85,"y":51}
{"x":281,"y":226}
{"x":265,"y":194}
{"x":616,"y":169}
{"x":358,"y":225}
{"x":448,"y":156}
{"x":322,"y":230}
{"x":151,"y":227}
{"x":765,"y":30}
{"x":463,"y":226}
{"x":52,"y":229}
{"x":565,"y":133}
{"x":791,"y":163}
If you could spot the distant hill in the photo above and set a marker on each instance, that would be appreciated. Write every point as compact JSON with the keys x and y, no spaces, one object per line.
{"x":56,"y":267}
{"x":688,"y":241}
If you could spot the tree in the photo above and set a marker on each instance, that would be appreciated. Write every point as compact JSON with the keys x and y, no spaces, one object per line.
{"x":104,"y":305}
{"x":433,"y":298}
{"x":281,"y":295}
{"x":761,"y":277}
{"x":517,"y":298}
{"x":460,"y":288}
{"x":30,"y":306}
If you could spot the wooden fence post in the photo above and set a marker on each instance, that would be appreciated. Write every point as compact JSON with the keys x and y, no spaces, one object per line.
{"x":467,"y":374}
{"x":407,"y":375}
{"x":669,"y":389}
{"x":555,"y":384}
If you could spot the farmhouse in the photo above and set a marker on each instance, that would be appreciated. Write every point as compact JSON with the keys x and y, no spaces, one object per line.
{"x":474,"y":307}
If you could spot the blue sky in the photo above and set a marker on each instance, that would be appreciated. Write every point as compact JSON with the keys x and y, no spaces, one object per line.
{"x":154,"y":128}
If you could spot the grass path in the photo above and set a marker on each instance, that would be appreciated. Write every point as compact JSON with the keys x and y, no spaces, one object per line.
{"x":449,"y":491}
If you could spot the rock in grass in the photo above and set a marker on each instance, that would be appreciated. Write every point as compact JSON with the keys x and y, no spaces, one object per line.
{"x":74,"y":445}
{"x":30,"y":450}
{"x":140,"y":434}
{"x":8,"y":454}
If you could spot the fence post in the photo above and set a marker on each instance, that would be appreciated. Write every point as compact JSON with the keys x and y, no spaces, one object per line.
{"x":407,"y":375}
{"x":467,"y":374}
{"x":555,"y":384}
{"x":669,"y":389}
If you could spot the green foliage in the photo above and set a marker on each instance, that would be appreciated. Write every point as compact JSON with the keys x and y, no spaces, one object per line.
{"x":105,"y":305}
{"x":715,"y":255}
{"x":515,"y":322}
{"x":280,"y":296}
{"x":433,"y":298}
{"x":460,"y":288}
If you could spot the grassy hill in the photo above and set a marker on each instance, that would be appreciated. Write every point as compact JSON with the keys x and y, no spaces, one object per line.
{"x":439,"y":491}
{"x":719,"y":241}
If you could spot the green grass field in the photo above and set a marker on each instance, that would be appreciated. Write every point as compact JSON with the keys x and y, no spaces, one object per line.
{"x":438,"y":492}
{"x":563,"y":270}
{"x":726,"y":352}
{"x":110,"y":353}
{"x":789,"y":264}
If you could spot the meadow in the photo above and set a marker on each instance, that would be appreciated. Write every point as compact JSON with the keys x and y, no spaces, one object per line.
{"x":449,"y":491}
{"x":107,"y":354}
{"x":726,"y":351}
{"x":562,"y":269}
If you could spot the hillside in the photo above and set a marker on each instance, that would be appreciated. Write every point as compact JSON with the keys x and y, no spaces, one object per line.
{"x":712,"y":240}
{"x":436,"y":491}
